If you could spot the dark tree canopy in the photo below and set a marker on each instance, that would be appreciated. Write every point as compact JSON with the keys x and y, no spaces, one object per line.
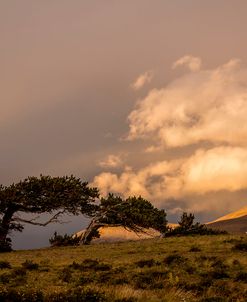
{"x":46,"y":194}
{"x":134,"y":213}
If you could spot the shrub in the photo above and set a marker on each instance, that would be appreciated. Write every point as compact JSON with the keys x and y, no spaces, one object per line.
{"x":174,"y":258}
{"x":143,"y":263}
{"x":236,"y":262}
{"x":30,"y":265}
{"x":10,"y":295}
{"x":66,"y":240}
{"x":219,"y":264}
{"x":65,"y":275}
{"x":5,"y":264}
{"x":91,"y":264}
{"x":149,"y":279}
{"x":213,"y":299}
{"x":188,"y":227}
{"x":130,"y":299}
{"x":5,"y":278}
{"x":5,"y":246}
{"x":83,"y":280}
{"x":241,"y":276}
{"x":195,"y":249}
{"x":20,"y":271}
{"x":75,"y":265}
{"x":78,"y":294}
{"x":242,"y":246}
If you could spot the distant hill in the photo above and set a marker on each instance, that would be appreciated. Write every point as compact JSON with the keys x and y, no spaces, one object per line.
{"x":234,"y":223}
{"x":240,"y":213}
{"x":118,"y":234}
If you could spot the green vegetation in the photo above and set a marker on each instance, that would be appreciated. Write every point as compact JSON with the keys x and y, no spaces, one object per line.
{"x":191,"y":268}
{"x":186,"y":226}
{"x":69,"y":195}
{"x":134,"y":213}
{"x":64,"y":240}
{"x":46,"y":194}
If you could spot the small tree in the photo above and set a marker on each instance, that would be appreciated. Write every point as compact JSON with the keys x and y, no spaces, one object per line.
{"x":186,"y":221}
{"x":52,"y":195}
{"x":186,"y":226}
{"x":134,"y":214}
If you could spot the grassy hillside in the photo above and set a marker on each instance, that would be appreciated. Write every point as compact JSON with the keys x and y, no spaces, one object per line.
{"x":206,"y":268}
{"x":233,"y":225}
{"x":239,"y":213}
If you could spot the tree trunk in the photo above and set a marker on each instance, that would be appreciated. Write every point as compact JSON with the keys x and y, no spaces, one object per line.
{"x":87,"y":236}
{"x":4,"y":226}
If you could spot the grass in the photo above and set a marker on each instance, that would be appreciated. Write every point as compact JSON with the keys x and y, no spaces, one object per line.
{"x":193,"y":268}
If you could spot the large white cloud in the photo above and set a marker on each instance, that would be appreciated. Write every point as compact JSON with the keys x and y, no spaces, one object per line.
{"x":221,"y":168}
{"x":208,"y":105}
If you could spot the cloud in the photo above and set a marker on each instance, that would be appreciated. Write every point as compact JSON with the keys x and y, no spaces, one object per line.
{"x":142,"y":80}
{"x":222,"y":168}
{"x":199,"y":118}
{"x":193,"y":63}
{"x":112,"y":161}
{"x":212,"y":170}
{"x":204,"y":106}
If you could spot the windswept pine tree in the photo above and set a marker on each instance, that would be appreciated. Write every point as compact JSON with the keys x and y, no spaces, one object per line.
{"x":134,"y":214}
{"x":52,"y":195}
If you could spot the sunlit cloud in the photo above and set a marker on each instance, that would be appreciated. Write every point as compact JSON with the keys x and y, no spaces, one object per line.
{"x":112,"y":161}
{"x":222,"y":168}
{"x":208,"y":105}
{"x":193,"y":63}
{"x":142,"y":80}
{"x":204,"y":110}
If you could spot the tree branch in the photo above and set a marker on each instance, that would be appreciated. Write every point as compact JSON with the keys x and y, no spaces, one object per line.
{"x":32,"y":221}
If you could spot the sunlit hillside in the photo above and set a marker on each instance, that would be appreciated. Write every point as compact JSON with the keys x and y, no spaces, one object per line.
{"x":236,"y":214}
{"x":234,"y":223}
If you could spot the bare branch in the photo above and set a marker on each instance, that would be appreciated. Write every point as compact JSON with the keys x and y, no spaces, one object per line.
{"x":33,"y":222}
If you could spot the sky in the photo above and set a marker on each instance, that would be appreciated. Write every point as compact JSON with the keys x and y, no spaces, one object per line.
{"x":136,"y":97}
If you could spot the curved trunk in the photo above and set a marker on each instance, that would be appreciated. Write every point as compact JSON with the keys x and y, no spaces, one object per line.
{"x":5,"y":224}
{"x":90,"y":231}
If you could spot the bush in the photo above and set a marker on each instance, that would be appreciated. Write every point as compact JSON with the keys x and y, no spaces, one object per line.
{"x":78,"y":294}
{"x":20,"y":271}
{"x":188,"y":227}
{"x":75,"y":265}
{"x":236,"y":262}
{"x":66,"y":240}
{"x":149,"y":280}
{"x":30,"y":265}
{"x":5,"y":264}
{"x":130,"y":299}
{"x":91,"y":264}
{"x":65,"y":275}
{"x":242,"y":246}
{"x":241,"y":276}
{"x":143,"y":263}
{"x":213,"y":299}
{"x":5,"y":246}
{"x":21,"y":296}
{"x":5,"y":278}
{"x":195,"y":249}
{"x":174,"y":258}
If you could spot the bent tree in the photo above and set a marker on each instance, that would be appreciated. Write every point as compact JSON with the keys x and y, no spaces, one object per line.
{"x":134,"y":214}
{"x":46,"y":194}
